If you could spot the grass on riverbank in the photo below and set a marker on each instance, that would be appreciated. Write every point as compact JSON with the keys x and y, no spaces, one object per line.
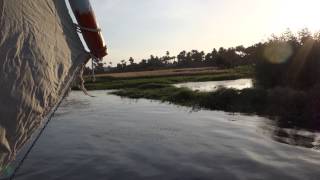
{"x":107,"y":82}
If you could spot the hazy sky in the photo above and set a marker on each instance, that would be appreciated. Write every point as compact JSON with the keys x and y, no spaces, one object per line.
{"x":139,"y":28}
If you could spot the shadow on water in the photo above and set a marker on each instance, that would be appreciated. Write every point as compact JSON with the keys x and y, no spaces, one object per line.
{"x":288,"y":133}
{"x":298,"y":138}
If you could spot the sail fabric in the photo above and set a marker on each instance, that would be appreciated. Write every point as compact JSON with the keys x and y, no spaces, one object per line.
{"x":40,"y":54}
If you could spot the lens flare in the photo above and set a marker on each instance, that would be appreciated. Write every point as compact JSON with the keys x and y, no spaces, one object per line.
{"x":278,"y":52}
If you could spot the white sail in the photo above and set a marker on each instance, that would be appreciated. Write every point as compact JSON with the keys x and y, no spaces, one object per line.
{"x":40,"y":54}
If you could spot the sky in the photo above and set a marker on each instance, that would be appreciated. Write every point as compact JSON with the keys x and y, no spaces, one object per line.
{"x":139,"y":28}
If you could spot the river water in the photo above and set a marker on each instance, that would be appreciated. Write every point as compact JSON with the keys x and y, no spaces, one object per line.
{"x":214,"y":85}
{"x":107,"y":137}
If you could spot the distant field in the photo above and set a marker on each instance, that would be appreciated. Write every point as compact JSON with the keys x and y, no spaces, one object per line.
{"x":167,"y":72}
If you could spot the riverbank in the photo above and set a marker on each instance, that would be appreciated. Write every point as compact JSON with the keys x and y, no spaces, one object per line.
{"x":289,"y":108}
{"x":162,"y":78}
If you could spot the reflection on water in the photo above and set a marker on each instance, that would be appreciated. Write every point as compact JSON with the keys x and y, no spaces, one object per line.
{"x":214,"y":85}
{"x":294,"y":137}
{"x":107,"y":137}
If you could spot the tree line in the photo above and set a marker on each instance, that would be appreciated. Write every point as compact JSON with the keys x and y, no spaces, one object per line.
{"x":222,"y":58}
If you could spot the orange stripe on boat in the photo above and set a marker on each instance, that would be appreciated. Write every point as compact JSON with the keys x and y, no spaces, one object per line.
{"x":86,"y":18}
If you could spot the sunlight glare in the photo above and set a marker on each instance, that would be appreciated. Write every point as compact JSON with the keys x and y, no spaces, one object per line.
{"x":298,"y":14}
{"x":278,"y":53}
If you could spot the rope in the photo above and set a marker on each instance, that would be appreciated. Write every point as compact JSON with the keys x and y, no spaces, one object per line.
{"x":92,"y":68}
{"x":81,"y":28}
{"x":93,"y":59}
{"x":81,"y":82}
